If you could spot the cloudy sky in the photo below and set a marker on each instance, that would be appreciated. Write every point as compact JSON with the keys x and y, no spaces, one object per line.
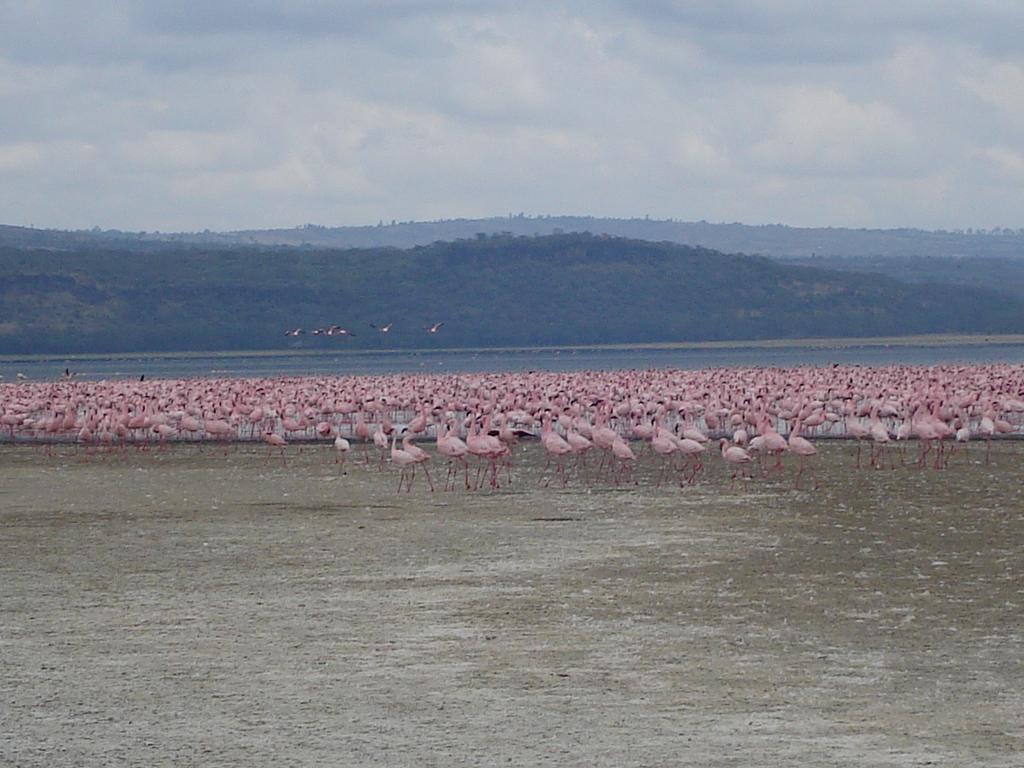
{"x":227,"y":114}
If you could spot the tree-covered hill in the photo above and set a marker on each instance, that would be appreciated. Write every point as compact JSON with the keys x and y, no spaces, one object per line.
{"x":1005,"y":274}
{"x":488,"y":291}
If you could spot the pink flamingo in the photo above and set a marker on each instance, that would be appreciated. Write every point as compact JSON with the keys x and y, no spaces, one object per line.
{"x":404,"y":461}
{"x":735,"y":456}
{"x":804,"y":450}
{"x":880,"y":440}
{"x":381,"y":441}
{"x":692,"y":452}
{"x":627,"y":460}
{"x":858,"y":432}
{"x":420,"y":457}
{"x":341,"y":449}
{"x":455,"y":449}
{"x":664,"y":446}
{"x":555,"y":447}
{"x":362,"y":434}
{"x":274,"y":440}
{"x":485,"y":448}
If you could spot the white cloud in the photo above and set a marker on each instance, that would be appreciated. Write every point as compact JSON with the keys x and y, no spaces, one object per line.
{"x":1005,"y":162}
{"x":694,"y":152}
{"x":820,"y":131}
{"x":18,"y":156}
{"x":1002,"y":84}
{"x":174,"y":150}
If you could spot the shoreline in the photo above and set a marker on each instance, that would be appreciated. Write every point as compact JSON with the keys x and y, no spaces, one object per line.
{"x":927,"y":341}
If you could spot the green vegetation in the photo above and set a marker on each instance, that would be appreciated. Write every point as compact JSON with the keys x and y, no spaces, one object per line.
{"x":489,"y":291}
{"x":1004,"y":274}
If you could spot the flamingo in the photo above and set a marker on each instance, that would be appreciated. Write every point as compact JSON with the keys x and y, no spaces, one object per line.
{"x":858,"y":432}
{"x":419,"y":457}
{"x":455,"y":449}
{"x":341,"y":449}
{"x":274,"y":440}
{"x":555,"y":447}
{"x":774,"y":443}
{"x":880,"y":439}
{"x":692,"y":451}
{"x":362,"y":434}
{"x":380,"y":439}
{"x":735,"y":456}
{"x":404,"y":461}
{"x":579,"y":445}
{"x":627,"y":460}
{"x":663,"y":446}
{"x":804,"y":450}
{"x":987,"y":428}
{"x":485,"y":448}
{"x":603,"y":437}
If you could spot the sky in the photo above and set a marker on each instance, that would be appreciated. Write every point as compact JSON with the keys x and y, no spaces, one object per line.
{"x":175,"y":115}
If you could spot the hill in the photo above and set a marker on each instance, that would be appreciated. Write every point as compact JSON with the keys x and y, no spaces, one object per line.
{"x":489,"y":291}
{"x":775,"y":240}
{"x":1005,"y":274}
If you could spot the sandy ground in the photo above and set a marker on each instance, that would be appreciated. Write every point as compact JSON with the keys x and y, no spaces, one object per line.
{"x":187,"y":608}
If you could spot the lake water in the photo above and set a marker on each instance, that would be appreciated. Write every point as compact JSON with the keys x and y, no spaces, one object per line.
{"x":292,"y":363}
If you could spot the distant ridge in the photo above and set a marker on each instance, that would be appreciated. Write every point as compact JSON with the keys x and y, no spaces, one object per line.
{"x":774,"y":240}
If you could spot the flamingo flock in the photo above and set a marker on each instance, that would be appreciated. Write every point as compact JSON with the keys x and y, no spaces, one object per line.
{"x":615,"y":420}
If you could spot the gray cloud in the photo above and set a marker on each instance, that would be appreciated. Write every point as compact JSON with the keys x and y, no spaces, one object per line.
{"x":248,"y":114}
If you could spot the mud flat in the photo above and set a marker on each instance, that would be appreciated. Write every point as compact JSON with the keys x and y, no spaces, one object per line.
{"x":190,"y":607}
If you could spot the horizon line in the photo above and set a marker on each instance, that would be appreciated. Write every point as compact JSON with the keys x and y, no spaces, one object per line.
{"x":998,"y":231}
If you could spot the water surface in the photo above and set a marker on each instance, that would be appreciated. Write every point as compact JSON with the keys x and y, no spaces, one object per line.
{"x":318,"y":362}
